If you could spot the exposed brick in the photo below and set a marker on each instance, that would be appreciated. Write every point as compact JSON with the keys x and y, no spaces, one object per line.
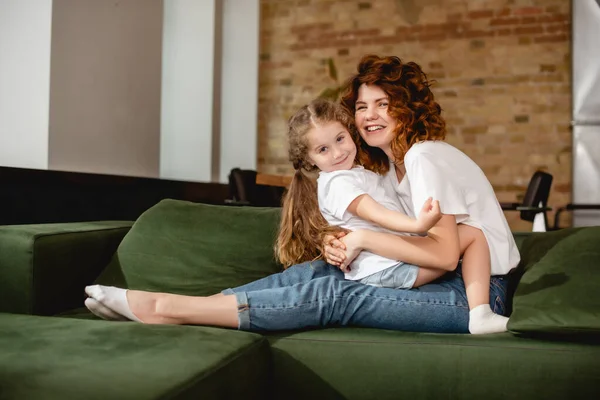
{"x":478,"y":34}
{"x":503,"y":12}
{"x":454,"y":17}
{"x":480,"y":14}
{"x":303,"y":28}
{"x":505,"y":92}
{"x":529,"y":30}
{"x":528,"y":20}
{"x":525,"y":40}
{"x":528,"y":11}
{"x":554,"y":18}
{"x":552,"y":38}
{"x":504,"y":21}
{"x":521,"y":119}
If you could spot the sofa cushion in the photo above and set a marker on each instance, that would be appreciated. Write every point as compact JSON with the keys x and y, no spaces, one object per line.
{"x":361,"y":363}
{"x":195,"y":249}
{"x":61,"y":358}
{"x":558,"y":291}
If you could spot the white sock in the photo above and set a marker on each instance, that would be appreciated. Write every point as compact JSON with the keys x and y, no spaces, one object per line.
{"x":113,"y":298}
{"x":100,"y":310}
{"x":483,"y":320}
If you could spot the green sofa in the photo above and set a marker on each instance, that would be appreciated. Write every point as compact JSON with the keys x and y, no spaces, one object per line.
{"x":52,"y":348}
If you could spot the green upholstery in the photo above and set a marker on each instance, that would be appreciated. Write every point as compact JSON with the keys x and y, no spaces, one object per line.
{"x":360,"y":363}
{"x":43,"y":268}
{"x":195,"y":249}
{"x":558,"y":292}
{"x":200,"y":249}
{"x":57,"y":358}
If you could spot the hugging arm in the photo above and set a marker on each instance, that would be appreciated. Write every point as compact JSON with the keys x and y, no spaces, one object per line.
{"x":439,"y":249}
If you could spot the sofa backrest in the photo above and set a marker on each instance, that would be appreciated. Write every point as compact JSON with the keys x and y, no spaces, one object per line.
{"x":195,"y":249}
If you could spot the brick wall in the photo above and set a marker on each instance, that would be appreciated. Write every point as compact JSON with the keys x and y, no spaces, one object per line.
{"x":502,"y":69}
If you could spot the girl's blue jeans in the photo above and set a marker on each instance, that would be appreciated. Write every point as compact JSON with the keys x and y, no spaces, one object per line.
{"x":315,"y":294}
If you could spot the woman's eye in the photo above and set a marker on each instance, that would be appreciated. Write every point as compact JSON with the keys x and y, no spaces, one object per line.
{"x":340,"y":138}
{"x":383,"y":104}
{"x":322,"y":149}
{"x":360,"y":108}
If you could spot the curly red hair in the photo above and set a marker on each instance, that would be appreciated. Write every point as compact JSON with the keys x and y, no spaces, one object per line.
{"x":411,"y":103}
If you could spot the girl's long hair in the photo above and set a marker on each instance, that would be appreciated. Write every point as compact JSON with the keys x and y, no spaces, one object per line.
{"x":303,"y":228}
{"x":411,"y":103}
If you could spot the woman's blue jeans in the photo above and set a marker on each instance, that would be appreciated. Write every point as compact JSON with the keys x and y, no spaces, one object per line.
{"x":316,"y":294}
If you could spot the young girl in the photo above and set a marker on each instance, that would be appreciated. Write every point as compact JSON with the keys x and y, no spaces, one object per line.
{"x":349,"y":196}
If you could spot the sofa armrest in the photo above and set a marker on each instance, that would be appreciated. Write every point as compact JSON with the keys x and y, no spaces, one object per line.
{"x":44,"y":267}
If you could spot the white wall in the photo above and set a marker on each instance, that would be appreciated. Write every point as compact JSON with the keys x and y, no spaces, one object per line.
{"x":239,"y":88}
{"x":24,"y":82}
{"x":187,"y":90}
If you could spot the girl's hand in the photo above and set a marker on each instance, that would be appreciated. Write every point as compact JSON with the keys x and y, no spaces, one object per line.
{"x":429,"y":216}
{"x":334,"y":249}
{"x":353,"y":242}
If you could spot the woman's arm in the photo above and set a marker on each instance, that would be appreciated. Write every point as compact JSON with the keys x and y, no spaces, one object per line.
{"x":368,"y":209}
{"x":439,"y":249}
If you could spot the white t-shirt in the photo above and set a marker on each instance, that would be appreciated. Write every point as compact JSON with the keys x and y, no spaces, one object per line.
{"x":439,"y":170}
{"x":336,"y":190}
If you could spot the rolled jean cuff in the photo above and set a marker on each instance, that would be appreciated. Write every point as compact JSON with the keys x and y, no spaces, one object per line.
{"x":243,"y":311}
{"x":228,"y":291}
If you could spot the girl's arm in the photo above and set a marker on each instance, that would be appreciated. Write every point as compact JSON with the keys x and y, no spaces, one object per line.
{"x":368,"y":209}
{"x":439,"y":249}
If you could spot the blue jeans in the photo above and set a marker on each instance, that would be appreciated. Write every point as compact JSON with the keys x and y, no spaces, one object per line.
{"x":316,"y":294}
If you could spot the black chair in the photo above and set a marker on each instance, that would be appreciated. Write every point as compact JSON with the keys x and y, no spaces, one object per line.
{"x":535,"y":200}
{"x":572,"y":207}
{"x":244,"y":191}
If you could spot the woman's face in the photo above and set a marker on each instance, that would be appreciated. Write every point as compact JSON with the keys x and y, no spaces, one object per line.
{"x":376,"y":126}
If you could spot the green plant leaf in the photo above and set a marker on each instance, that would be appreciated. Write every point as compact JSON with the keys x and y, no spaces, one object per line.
{"x":331,"y":93}
{"x":332,"y":69}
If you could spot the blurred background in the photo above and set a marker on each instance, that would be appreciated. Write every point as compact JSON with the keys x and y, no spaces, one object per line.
{"x":180,"y":92}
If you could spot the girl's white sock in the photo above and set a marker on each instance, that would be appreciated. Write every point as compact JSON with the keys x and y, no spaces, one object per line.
{"x":100,"y":310}
{"x":113,"y":298}
{"x":483,"y":320}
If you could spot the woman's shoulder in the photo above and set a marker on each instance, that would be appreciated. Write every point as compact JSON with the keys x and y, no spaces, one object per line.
{"x":435,"y":148}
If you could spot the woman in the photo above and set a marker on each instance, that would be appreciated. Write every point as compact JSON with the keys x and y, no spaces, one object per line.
{"x":403,"y":131}
{"x":317,"y":295}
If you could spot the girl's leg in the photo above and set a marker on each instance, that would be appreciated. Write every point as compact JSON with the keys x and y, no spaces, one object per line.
{"x":476,"y":266}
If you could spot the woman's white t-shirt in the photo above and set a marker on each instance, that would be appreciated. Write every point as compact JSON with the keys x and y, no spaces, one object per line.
{"x":437,"y":169}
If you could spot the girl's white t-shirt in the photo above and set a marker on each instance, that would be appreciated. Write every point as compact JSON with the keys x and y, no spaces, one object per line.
{"x":439,"y":170}
{"x":336,"y":191}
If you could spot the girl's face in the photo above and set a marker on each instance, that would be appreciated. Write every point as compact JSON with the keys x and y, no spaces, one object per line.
{"x":376,"y":126}
{"x":330,"y":147}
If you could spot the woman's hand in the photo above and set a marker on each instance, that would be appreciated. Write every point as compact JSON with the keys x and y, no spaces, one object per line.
{"x":353,"y":243}
{"x":334,"y":249}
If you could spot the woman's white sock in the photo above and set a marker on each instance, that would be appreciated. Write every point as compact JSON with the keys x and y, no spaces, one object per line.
{"x":483,"y":320}
{"x":100,"y":310}
{"x":113,"y":298}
